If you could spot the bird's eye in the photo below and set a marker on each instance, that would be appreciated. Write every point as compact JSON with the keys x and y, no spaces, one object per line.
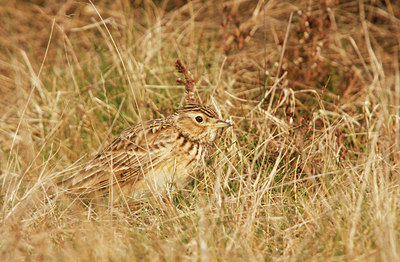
{"x":199,"y":119}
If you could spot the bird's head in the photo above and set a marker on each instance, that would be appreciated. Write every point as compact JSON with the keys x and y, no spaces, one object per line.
{"x":198,"y":122}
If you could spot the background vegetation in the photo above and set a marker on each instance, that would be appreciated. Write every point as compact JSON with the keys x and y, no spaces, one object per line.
{"x":310,"y":171}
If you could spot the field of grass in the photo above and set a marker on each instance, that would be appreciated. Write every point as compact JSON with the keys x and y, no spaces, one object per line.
{"x":309,"y":172}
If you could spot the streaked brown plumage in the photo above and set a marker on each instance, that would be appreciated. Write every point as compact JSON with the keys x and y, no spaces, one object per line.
{"x":150,"y":157}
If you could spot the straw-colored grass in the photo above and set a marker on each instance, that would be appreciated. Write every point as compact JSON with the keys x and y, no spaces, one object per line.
{"x":309,"y":172}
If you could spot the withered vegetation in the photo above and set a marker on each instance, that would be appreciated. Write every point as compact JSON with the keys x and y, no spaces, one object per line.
{"x":309,"y":172}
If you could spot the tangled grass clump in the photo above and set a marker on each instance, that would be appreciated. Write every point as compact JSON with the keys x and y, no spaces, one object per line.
{"x":309,"y":171}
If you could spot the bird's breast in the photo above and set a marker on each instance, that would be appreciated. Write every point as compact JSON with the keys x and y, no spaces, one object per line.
{"x":175,"y":171}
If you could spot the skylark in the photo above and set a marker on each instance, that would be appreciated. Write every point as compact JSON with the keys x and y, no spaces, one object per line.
{"x":151,"y":157}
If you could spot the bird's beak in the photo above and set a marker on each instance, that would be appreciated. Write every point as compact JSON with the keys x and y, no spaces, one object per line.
{"x":221,"y":123}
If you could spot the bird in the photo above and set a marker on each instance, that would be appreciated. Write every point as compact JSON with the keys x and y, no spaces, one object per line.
{"x":151,"y":157}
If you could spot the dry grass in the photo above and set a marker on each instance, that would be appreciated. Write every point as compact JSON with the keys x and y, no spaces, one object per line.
{"x":309,"y":172}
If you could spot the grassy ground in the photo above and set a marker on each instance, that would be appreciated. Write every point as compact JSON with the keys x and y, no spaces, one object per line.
{"x":309,"y":172}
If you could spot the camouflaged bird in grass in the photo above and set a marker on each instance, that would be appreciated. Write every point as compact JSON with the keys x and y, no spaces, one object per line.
{"x":150,"y":157}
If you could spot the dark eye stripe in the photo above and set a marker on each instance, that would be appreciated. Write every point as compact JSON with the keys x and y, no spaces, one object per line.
{"x":209,"y":112}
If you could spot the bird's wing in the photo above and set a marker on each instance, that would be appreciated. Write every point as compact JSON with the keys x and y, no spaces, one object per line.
{"x":130,"y":155}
